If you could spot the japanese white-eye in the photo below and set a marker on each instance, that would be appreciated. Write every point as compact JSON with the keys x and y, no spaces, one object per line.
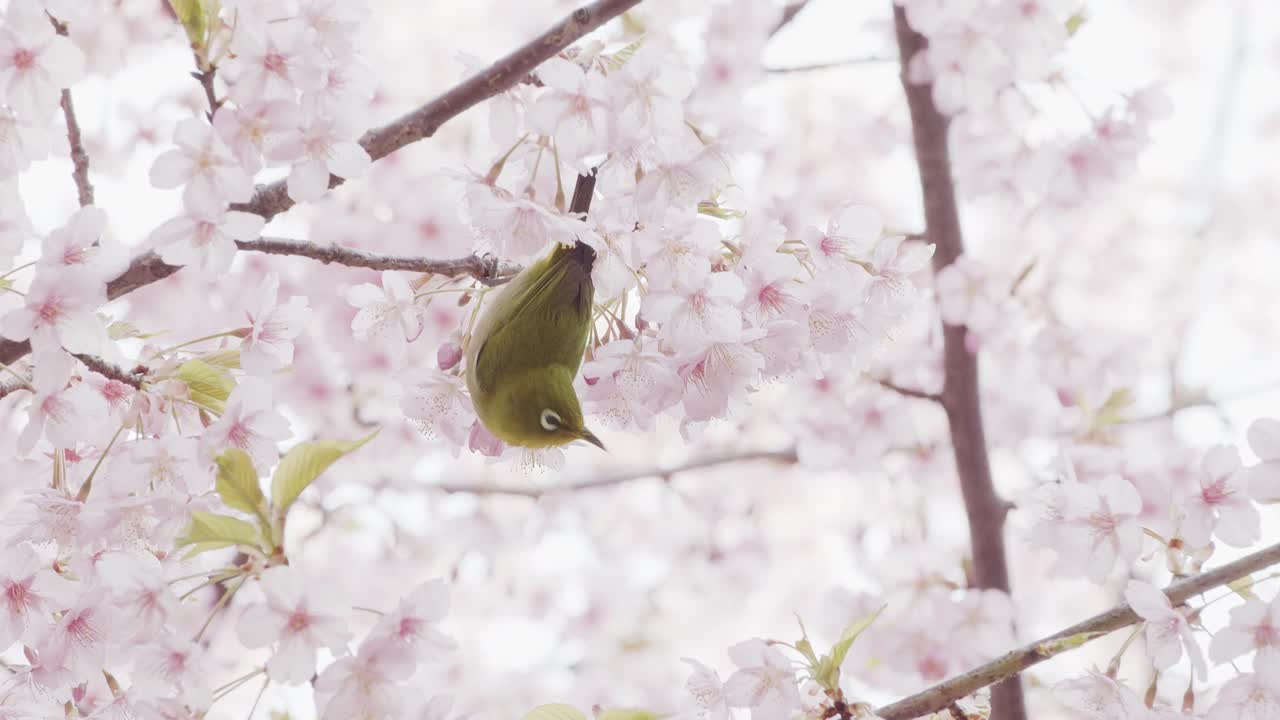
{"x":528,"y":343}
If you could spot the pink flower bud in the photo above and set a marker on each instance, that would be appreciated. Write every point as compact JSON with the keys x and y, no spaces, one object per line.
{"x":483,"y":442}
{"x":449,"y":355}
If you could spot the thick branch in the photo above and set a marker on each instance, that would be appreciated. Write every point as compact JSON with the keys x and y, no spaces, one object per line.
{"x":270,"y":200}
{"x":781,"y":456}
{"x":985,"y":510}
{"x":1010,"y":664}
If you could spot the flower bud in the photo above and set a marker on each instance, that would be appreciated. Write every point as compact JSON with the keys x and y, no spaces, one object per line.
{"x":449,"y":355}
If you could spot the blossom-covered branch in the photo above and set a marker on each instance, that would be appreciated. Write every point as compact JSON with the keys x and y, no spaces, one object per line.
{"x":960,"y":395}
{"x":485,"y":269}
{"x":273,"y":199}
{"x":132,"y":378}
{"x":1013,"y":662}
{"x":778,"y":456}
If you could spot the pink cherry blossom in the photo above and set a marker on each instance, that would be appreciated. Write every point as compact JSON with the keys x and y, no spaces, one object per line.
{"x":368,"y":685}
{"x":679,"y":250}
{"x":297,"y":621}
{"x":412,"y":626}
{"x":388,"y":315}
{"x":643,"y":383}
{"x":1249,"y":696}
{"x":272,"y":61}
{"x":248,"y":131}
{"x":694,"y":316}
{"x":321,"y":147}
{"x":1167,"y":631}
{"x":573,"y":109}
{"x":77,"y":644}
{"x":850,"y":235}
{"x":1255,"y":625}
{"x":1102,"y":526}
{"x":517,"y":228}
{"x":35,"y":62}
{"x":28,"y":592}
{"x":1264,"y":478}
{"x":204,"y":165}
{"x":1099,"y":697}
{"x":59,"y":311}
{"x":80,"y":244}
{"x":1222,"y":507}
{"x":205,"y":236}
{"x":249,"y":423}
{"x":20,"y":144}
{"x":272,"y":329}
{"x":438,"y":406}
{"x":764,"y":682}
{"x":66,"y":413}
{"x":708,"y":692}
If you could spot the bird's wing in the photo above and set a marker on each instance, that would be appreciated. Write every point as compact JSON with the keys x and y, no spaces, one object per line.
{"x":545,"y":320}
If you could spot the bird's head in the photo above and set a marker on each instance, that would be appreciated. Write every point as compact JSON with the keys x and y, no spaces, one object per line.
{"x":541,"y":410}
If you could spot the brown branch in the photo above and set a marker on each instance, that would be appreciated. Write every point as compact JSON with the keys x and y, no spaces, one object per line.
{"x":780,"y":456}
{"x":8,"y":388}
{"x":205,"y":78}
{"x":486,"y":270}
{"x":960,"y":394}
{"x":789,"y":13}
{"x":79,"y":158}
{"x":1010,"y":664}
{"x":132,"y":378}
{"x":273,"y":199}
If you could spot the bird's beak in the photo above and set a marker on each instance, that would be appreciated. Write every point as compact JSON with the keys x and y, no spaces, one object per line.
{"x":591,"y":438}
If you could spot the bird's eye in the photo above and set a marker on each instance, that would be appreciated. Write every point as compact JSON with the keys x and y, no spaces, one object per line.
{"x":550,"y":420}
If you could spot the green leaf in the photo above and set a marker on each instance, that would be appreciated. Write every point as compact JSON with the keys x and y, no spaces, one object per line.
{"x":827,"y":673}
{"x":303,"y":464}
{"x":627,"y":715}
{"x":1074,"y":23}
{"x":209,"y":386}
{"x":191,"y":15}
{"x":1242,"y":586}
{"x":1050,"y":648}
{"x":238,"y":483}
{"x":555,"y":712}
{"x":228,"y":358}
{"x":220,"y":530}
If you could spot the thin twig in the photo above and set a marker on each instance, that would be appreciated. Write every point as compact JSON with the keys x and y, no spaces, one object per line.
{"x":205,"y":78}
{"x":102,"y":367}
{"x":486,"y":270}
{"x":780,"y":456}
{"x":273,"y":199}
{"x":1010,"y":664}
{"x":789,"y":13}
{"x":909,"y":392}
{"x":79,"y":158}
{"x":960,"y":391}
{"x":831,"y":65}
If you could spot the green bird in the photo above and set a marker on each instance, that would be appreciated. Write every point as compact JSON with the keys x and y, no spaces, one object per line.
{"x":528,"y":344}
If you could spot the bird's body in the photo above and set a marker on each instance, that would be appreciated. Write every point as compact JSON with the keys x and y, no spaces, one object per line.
{"x":526,"y":348}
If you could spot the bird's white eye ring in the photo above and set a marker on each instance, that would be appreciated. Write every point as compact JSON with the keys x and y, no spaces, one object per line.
{"x":550,"y":420}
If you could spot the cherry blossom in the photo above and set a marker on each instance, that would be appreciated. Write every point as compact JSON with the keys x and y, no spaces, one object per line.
{"x":59,"y":311}
{"x":1254,"y":626}
{"x":1102,"y":527}
{"x":1264,"y":478}
{"x":1222,"y":506}
{"x":321,"y":147}
{"x":206,"y":235}
{"x":297,"y":621}
{"x":1249,"y":696}
{"x":388,"y":314}
{"x":1167,"y":631}
{"x":271,"y":62}
{"x":850,"y":235}
{"x":763,"y":682}
{"x":80,"y":244}
{"x":272,"y":329}
{"x":708,"y":692}
{"x":694,"y":316}
{"x":35,"y":62}
{"x":573,"y":110}
{"x":28,"y":591}
{"x":20,"y":144}
{"x":249,"y":423}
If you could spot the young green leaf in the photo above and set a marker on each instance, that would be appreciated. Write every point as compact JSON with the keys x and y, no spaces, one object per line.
{"x":827,"y":672}
{"x":555,"y":712}
{"x":303,"y":464}
{"x":238,"y":483}
{"x":627,"y":715}
{"x":229,"y":358}
{"x":222,"y":529}
{"x":209,"y":386}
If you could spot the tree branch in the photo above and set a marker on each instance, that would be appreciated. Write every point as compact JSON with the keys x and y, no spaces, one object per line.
{"x":486,"y":270}
{"x":780,"y":456}
{"x":79,"y":158}
{"x":789,"y":13}
{"x":102,"y":367}
{"x":1011,"y":663}
{"x":830,"y":65}
{"x":909,"y":392}
{"x":960,"y":393}
{"x":271,"y":200}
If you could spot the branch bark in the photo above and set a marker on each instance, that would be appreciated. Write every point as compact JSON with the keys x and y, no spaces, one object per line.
{"x":106,"y":369}
{"x":1011,"y":663}
{"x":271,"y":200}
{"x":960,"y":394}
{"x":780,"y":456}
{"x":79,"y":158}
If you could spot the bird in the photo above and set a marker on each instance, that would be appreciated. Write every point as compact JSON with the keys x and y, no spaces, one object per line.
{"x":528,"y":343}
